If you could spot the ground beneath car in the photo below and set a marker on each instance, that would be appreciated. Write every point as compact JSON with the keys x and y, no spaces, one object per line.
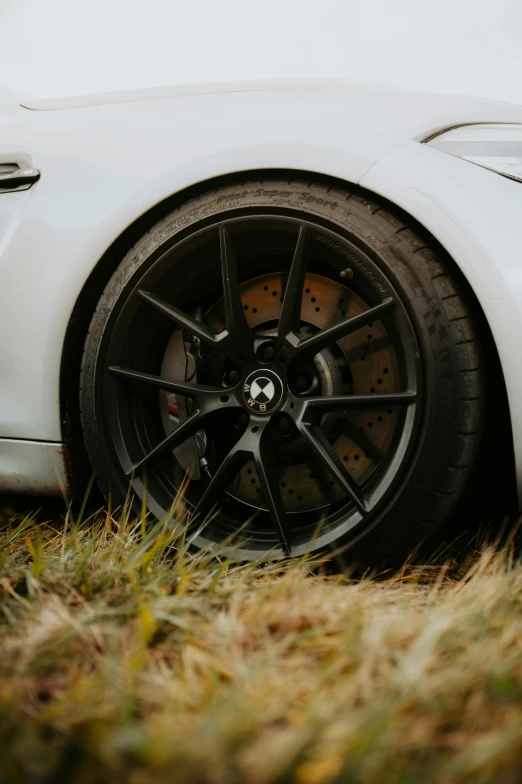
{"x":125,"y":658}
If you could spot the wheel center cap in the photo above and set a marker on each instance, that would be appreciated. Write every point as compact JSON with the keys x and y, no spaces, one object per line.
{"x":263,"y":391}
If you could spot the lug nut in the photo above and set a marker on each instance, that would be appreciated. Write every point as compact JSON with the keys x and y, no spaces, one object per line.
{"x":233,"y":377}
{"x":301,"y":382}
{"x":284,"y":425}
{"x":268,"y":353}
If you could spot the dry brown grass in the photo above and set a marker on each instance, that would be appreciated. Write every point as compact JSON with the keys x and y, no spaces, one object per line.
{"x":126,"y":659}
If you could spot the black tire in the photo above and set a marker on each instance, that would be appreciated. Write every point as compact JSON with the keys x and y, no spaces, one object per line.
{"x":445,"y":437}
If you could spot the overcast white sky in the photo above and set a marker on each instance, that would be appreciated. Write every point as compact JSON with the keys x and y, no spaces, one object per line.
{"x":64,"y":47}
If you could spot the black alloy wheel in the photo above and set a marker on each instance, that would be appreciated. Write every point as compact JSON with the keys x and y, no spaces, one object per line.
{"x":280,"y":359}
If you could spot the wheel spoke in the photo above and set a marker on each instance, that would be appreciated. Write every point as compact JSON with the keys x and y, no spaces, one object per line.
{"x":327,"y":337}
{"x":233,"y":462}
{"x":343,"y":402}
{"x":168,"y":385}
{"x":362,"y":442}
{"x":236,"y":323}
{"x":193,"y":326}
{"x":187,"y":429}
{"x":290,"y":319}
{"x":322,"y":448}
{"x":265,"y":463}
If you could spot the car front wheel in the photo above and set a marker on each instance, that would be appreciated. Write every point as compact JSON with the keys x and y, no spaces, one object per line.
{"x":299,"y":360}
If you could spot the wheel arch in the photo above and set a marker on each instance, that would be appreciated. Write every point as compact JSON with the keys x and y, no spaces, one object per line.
{"x":499,"y":437}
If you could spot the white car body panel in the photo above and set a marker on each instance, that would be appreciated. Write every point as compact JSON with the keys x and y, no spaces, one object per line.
{"x":31,"y":467}
{"x":477,"y":221}
{"x":106,"y":160}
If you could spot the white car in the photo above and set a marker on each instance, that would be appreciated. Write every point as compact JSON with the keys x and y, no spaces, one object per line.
{"x":298,"y":304}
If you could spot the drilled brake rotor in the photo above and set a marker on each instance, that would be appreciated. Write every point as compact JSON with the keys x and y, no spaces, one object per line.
{"x":371,"y":363}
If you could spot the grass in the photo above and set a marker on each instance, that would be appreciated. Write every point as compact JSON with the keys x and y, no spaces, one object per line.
{"x":125,"y":658}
